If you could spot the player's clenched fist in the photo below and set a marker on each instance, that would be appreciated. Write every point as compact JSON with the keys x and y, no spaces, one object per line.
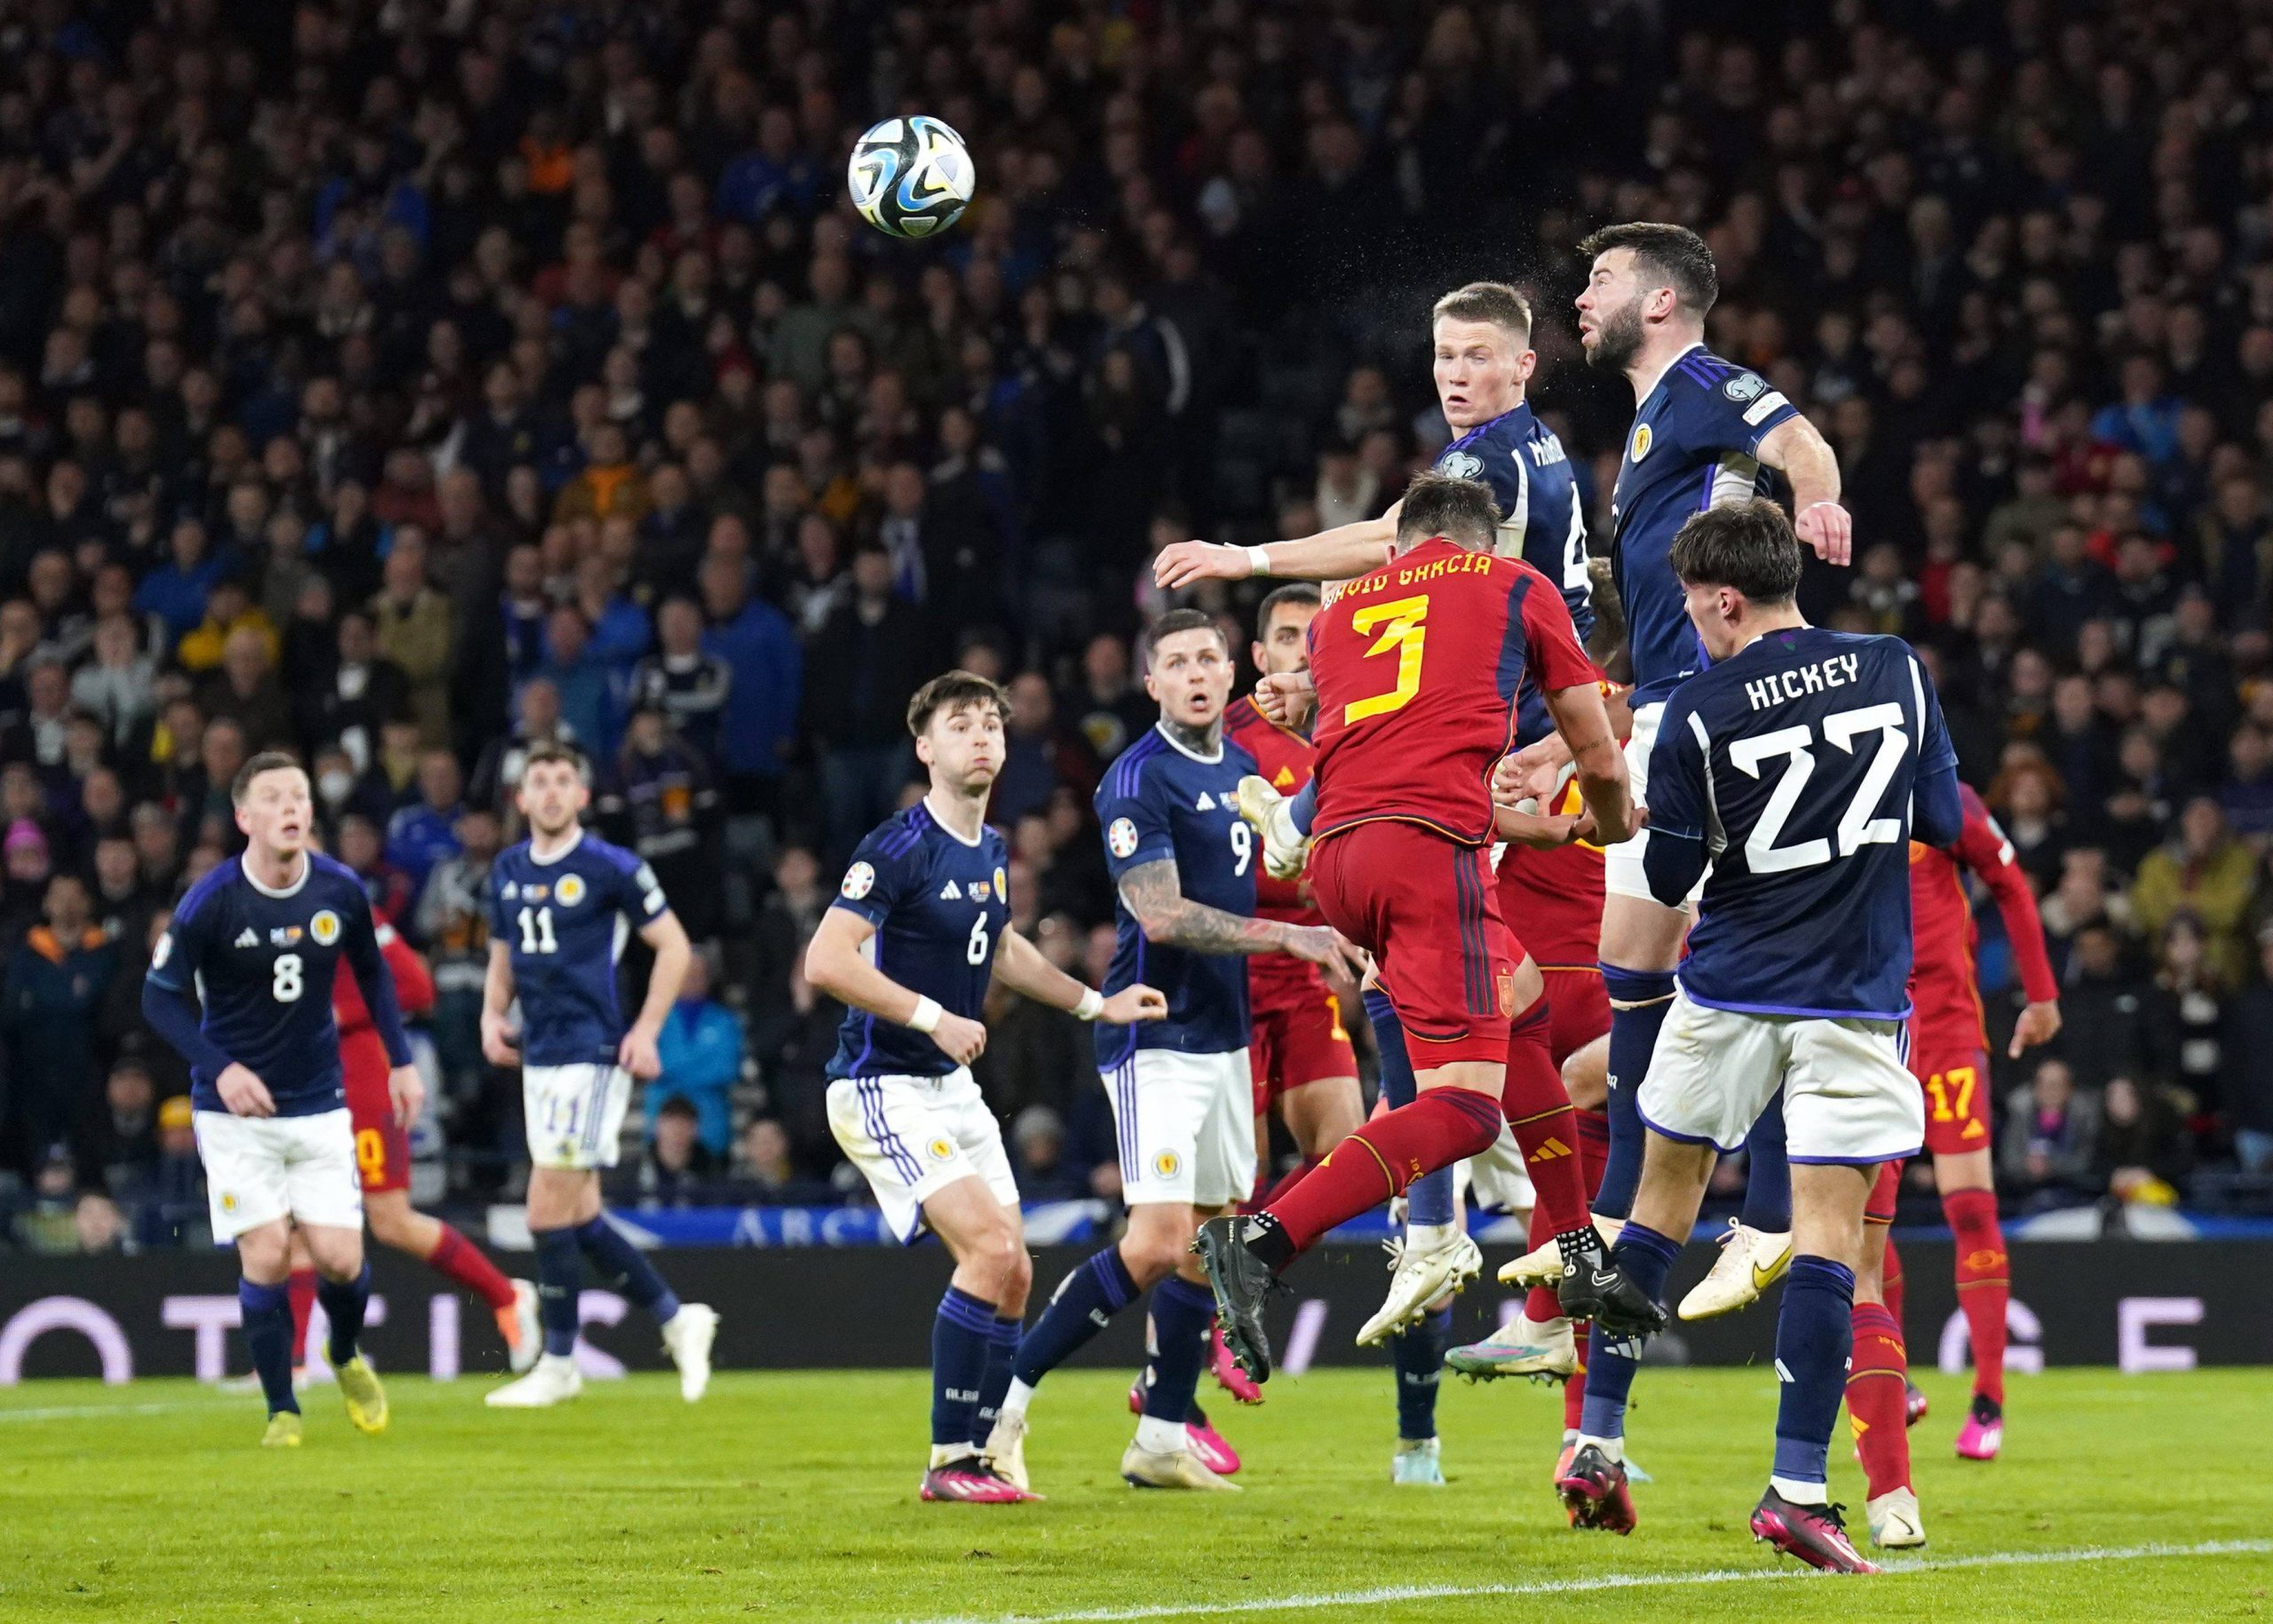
{"x":407,"y":1089}
{"x":1132,"y":1004}
{"x":497,"y":1042}
{"x":962,"y":1040}
{"x":1182,"y":563}
{"x":1287,"y":698}
{"x":244,"y":1093}
{"x":1829,"y":529}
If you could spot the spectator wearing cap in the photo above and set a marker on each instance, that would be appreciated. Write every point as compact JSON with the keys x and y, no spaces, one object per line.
{"x":701,"y":1045}
{"x":57,"y":974}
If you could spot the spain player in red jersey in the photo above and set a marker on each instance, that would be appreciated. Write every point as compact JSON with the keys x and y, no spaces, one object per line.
{"x":383,"y":1162}
{"x":1302,"y":1063}
{"x":1417,"y":667}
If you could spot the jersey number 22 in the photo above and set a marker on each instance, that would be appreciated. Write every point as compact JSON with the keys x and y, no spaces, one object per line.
{"x":1856,"y":827}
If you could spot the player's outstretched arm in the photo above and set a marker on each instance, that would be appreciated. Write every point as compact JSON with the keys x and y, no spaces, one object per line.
{"x":1154,"y":893}
{"x":497,"y":1045}
{"x":836,"y":963}
{"x":1021,"y":966}
{"x":1797,"y":449}
{"x":666,"y":939}
{"x":1583,"y":722}
{"x":1342,"y":553}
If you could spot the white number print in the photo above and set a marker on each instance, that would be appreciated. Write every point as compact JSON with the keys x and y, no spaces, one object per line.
{"x":1858,"y":827}
{"x":536,"y":930}
{"x":1574,"y":548}
{"x":974,"y":951}
{"x":1242,"y":846}
{"x":290,"y":981}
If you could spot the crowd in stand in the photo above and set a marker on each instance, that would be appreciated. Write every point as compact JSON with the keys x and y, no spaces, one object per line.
{"x":405,"y":384}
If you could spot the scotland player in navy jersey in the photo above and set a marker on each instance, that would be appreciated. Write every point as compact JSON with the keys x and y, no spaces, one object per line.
{"x":920,"y":926}
{"x":561,"y":904}
{"x":1794,"y":766}
{"x":258,"y":941}
{"x":1481,"y":337}
{"x":1183,"y":1095}
{"x":1705,"y":433}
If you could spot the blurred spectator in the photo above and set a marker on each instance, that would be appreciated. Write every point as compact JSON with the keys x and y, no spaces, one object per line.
{"x":659,"y":801}
{"x":2140,"y":1154}
{"x":1038,"y":1153}
{"x":2208,"y":874}
{"x":411,"y":628}
{"x":2247,"y":1053}
{"x":118,"y":1144}
{"x":676,"y":1165}
{"x":2051,"y":1136}
{"x":701,"y":1049}
{"x":862,"y":669}
{"x":56,"y":979}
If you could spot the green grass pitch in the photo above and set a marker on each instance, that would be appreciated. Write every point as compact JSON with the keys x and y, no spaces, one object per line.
{"x":791,"y":1496}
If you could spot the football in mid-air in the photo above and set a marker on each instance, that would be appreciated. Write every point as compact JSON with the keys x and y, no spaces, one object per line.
{"x":911,"y":176}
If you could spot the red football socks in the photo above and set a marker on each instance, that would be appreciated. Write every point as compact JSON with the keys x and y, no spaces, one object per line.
{"x":1574,"y":1391}
{"x":1890,"y":1282}
{"x":1983,"y":1283}
{"x":460,"y":1260}
{"x":1376,"y":1163}
{"x":300,"y":1285}
{"x":1287,"y":1181}
{"x":1878,"y":1374}
{"x":1594,"y":1148}
{"x":1545,"y":1127}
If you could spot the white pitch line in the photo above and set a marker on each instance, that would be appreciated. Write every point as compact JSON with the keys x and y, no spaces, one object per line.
{"x":86,"y":1412}
{"x":1618,"y":1581}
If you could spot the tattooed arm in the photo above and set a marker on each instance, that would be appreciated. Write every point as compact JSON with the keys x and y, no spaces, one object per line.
{"x":1154,"y":894}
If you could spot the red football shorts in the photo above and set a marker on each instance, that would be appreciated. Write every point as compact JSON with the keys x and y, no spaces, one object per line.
{"x":1297,"y":1041}
{"x":1955,"y":1077}
{"x":1879,"y":1209}
{"x":382,"y":1148}
{"x":1425,"y":908}
{"x":1578,"y":1009}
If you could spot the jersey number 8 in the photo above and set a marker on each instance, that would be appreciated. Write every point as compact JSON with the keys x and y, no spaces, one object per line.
{"x":289,"y":981}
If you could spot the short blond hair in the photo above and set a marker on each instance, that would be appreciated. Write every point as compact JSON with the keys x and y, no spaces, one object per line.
{"x":1493,"y":302}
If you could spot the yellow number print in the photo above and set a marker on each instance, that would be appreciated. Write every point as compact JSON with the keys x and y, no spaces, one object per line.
{"x":1960,"y":1079}
{"x":1400,"y":619}
{"x":371,"y":1153}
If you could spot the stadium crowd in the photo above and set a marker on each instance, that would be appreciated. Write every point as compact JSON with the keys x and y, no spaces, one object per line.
{"x":406,"y":384}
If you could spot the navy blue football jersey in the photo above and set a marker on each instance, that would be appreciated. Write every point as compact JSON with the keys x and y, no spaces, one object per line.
{"x":564,"y":920}
{"x":939,"y":904}
{"x":1691,"y":447}
{"x":1542,"y":521}
{"x":262,"y":963}
{"x":1792,"y":762}
{"x":1160,"y":801}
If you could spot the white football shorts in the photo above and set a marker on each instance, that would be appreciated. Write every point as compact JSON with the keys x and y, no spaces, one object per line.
{"x":574,"y":1114}
{"x":1186,"y":1126}
{"x":912,"y":1137}
{"x":1848,"y":1095}
{"x":259,"y":1168}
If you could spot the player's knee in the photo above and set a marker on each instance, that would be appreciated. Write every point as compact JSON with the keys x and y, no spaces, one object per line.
{"x":1017,"y":1270}
{"x":1584,"y":1082}
{"x":1151,"y":1258}
{"x":265,"y":1254}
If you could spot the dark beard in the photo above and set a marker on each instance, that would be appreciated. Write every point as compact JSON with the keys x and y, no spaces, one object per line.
{"x":1618,"y":339}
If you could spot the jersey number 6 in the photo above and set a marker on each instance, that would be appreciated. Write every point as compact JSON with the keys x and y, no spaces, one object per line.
{"x":1402,"y":632}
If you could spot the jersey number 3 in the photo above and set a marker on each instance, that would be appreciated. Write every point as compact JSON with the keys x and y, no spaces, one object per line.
{"x":1401,"y":620}
{"x":1856,"y":827}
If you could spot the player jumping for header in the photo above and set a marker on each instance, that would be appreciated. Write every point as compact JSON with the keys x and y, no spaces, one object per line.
{"x":1417,"y":669}
{"x":920,"y":926}
{"x":260,"y":938}
{"x":561,"y":904}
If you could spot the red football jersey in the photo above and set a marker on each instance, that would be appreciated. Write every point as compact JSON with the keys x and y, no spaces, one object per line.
{"x":1943,"y":987}
{"x":1552,"y":899}
{"x":413,"y":986}
{"x":1417,"y":667}
{"x":1286,"y":760}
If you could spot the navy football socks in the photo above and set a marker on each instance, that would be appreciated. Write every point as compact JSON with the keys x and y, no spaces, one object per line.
{"x":962,"y":1334}
{"x":344,"y":1303}
{"x":1768,"y":1174}
{"x":266,"y":1312}
{"x":1646,"y":1257}
{"x":623,"y":1268}
{"x":1417,"y":1354}
{"x":1632,"y":1036}
{"x":559,"y":1288}
{"x":1814,"y":1335}
{"x":1182,"y":1317}
{"x":1084,"y":1301}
